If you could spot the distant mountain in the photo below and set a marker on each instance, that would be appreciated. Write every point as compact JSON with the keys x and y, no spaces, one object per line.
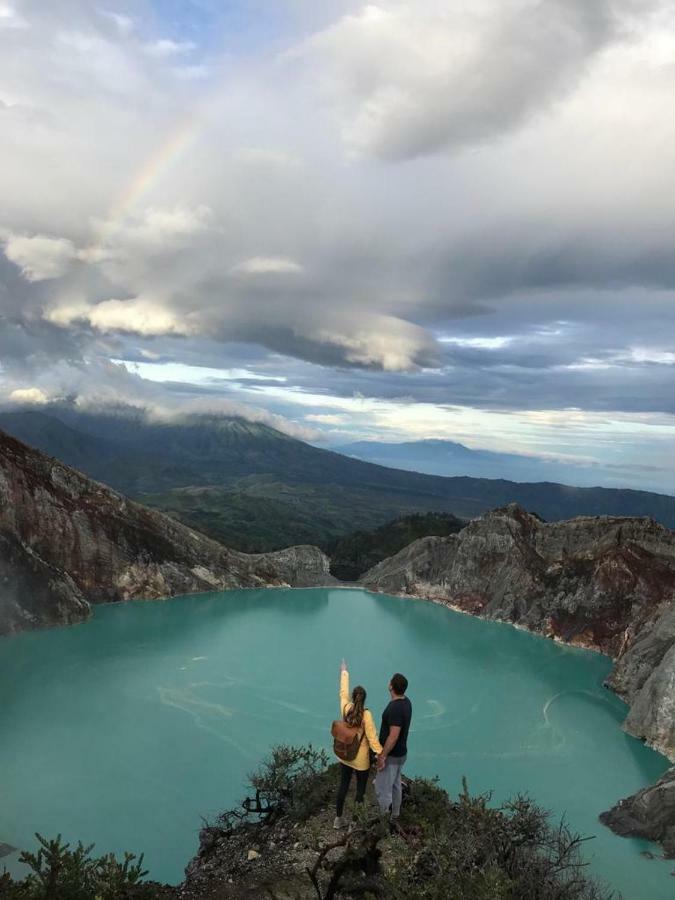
{"x":449,"y":458}
{"x":256,"y":489}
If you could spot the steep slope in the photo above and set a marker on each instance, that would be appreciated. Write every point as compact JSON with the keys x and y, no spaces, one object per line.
{"x":66,"y":541}
{"x":256,"y":488}
{"x":32,"y":590}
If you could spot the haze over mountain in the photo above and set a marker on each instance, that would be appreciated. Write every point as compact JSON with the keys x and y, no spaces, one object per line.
{"x":440,"y":457}
{"x":255,"y":488}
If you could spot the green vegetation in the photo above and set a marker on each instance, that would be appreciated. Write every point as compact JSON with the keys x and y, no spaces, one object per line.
{"x":260,"y":513}
{"x":293,"y":782}
{"x":61,"y":873}
{"x":280,"y":844}
{"x":442,"y":849}
{"x":355,"y":553}
{"x":256,"y":489}
{"x":472,"y":850}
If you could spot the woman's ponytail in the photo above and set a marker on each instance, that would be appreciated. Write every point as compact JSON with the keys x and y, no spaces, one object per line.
{"x":354,"y":715}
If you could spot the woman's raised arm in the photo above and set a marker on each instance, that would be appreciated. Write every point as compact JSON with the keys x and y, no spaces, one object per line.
{"x":344,"y":687}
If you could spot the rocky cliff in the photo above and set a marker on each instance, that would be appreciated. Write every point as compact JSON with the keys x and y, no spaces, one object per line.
{"x":649,"y":814}
{"x":600,"y":582}
{"x":67,"y":541}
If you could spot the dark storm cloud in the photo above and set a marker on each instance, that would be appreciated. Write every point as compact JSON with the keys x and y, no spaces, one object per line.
{"x":541,"y":259}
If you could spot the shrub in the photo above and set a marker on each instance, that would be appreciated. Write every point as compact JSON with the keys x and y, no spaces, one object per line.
{"x":293,"y":781}
{"x":61,"y":873}
{"x":473,"y":851}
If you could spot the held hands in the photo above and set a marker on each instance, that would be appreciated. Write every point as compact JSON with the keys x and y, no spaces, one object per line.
{"x":380,"y":762}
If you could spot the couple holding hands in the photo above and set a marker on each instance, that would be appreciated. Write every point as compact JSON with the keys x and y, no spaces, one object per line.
{"x":390,"y":747}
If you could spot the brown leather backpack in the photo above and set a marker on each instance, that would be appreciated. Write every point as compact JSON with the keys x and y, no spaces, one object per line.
{"x":346,"y":740}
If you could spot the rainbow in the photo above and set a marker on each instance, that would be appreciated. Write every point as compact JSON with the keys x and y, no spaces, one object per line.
{"x":153,"y":169}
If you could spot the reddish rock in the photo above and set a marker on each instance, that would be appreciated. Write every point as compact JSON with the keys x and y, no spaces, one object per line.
{"x":70,"y":541}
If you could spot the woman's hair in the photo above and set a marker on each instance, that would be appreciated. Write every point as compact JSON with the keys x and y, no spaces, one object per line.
{"x":354,"y":715}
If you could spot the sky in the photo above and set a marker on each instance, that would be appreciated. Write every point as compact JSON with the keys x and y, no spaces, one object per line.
{"x":387,"y":221}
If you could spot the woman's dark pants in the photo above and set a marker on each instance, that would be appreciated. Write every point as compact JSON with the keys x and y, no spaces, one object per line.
{"x":346,"y":773}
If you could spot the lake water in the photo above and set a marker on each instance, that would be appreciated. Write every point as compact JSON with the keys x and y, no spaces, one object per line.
{"x":127,"y":729}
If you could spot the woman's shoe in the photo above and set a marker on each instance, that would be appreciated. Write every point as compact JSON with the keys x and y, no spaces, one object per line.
{"x":339,"y":823}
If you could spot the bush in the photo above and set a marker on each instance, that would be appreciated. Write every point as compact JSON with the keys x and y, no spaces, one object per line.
{"x":59,"y":873}
{"x":473,"y":851}
{"x":294,"y":781}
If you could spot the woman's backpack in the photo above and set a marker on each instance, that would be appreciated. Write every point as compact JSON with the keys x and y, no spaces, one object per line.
{"x":346,"y":740}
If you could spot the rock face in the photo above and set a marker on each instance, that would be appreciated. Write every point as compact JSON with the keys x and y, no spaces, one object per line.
{"x":67,"y":541}
{"x":601,"y":582}
{"x":649,"y":814}
{"x":31,"y":590}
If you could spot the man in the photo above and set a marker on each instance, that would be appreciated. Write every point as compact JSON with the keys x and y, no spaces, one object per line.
{"x":394,"y":739}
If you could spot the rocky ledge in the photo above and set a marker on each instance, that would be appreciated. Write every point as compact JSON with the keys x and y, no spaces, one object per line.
{"x":649,"y":814}
{"x":67,"y":541}
{"x":599,"y":582}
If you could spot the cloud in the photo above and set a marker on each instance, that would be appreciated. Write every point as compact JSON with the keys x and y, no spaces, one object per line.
{"x":28,"y":396}
{"x":409,"y":80}
{"x":389,"y":344}
{"x":197,"y":406}
{"x":516,"y":258}
{"x":328,"y":419}
{"x":266,"y":265}
{"x":153,"y":228}
{"x":347,"y":337}
{"x":124,"y":24}
{"x":40,"y":258}
{"x":165,"y":47}
{"x":140,"y":315}
{"x":10,"y":18}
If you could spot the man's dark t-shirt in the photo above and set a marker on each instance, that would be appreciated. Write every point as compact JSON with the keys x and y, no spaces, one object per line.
{"x":397,"y":712}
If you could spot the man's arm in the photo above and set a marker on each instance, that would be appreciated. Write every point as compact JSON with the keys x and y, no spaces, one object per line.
{"x":394,"y":731}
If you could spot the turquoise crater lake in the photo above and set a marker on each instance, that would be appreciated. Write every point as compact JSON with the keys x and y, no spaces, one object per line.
{"x":129,"y":728}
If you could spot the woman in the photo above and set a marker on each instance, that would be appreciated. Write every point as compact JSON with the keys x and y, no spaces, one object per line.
{"x":355,"y":714}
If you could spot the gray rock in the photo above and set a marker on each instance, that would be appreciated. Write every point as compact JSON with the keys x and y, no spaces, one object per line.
{"x":33,"y":592}
{"x":642,"y":654}
{"x":591,"y":581}
{"x":605,"y":583}
{"x":652,"y":714}
{"x":67,"y":538}
{"x":648,"y":814}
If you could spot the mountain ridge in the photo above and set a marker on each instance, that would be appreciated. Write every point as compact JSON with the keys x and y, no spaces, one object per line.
{"x":257,"y":489}
{"x":437,"y":456}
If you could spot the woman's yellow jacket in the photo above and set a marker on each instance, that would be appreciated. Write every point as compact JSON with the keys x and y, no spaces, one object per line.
{"x":362,"y":759}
